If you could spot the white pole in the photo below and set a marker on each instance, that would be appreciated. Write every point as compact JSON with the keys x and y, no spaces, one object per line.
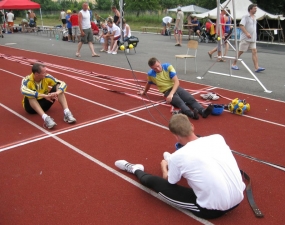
{"x":42,"y":18}
{"x":121,"y":4}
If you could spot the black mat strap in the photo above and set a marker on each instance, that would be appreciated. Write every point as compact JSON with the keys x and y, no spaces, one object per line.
{"x":249,"y":194}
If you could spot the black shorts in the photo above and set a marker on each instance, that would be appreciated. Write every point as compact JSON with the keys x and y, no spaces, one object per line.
{"x":70,"y":31}
{"x":45,"y":104}
{"x":197,"y":28}
{"x":63,"y":21}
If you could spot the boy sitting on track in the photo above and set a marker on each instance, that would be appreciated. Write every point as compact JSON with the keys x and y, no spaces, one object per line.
{"x":164,"y":76}
{"x":38,"y":98}
{"x":208,"y":165}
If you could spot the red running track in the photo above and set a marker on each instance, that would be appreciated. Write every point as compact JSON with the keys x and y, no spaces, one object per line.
{"x":67,"y":175}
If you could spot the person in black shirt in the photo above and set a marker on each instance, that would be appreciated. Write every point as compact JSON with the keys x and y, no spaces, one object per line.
{"x":117,"y":15}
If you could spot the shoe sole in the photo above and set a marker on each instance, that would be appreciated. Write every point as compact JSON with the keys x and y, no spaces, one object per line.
{"x":69,"y":121}
{"x":51,"y":126}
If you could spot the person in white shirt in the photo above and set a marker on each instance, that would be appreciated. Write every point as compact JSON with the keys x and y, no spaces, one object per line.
{"x":62,"y":17}
{"x":248,"y":25}
{"x":85,"y":30}
{"x":166,"y":23}
{"x":126,"y":30}
{"x":208,"y":165}
{"x":114,"y":34}
{"x":10,"y":20}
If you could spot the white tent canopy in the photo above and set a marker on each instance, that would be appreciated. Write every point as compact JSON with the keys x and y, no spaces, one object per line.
{"x":190,"y":8}
{"x":241,"y":10}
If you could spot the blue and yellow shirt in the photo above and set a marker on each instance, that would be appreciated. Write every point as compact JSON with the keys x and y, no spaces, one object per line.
{"x":162,"y":80}
{"x":31,"y":89}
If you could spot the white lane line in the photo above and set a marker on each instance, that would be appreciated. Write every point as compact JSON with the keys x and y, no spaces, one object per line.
{"x":192,"y":82}
{"x":10,"y":43}
{"x":121,"y":113}
{"x":259,"y":119}
{"x":74,"y":127}
{"x":135,"y":183}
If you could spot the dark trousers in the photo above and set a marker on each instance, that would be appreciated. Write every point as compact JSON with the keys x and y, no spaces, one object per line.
{"x":177,"y":195}
{"x":45,"y":104}
{"x":182,"y":99}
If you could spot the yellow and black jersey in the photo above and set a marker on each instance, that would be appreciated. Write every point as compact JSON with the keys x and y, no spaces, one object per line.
{"x":32,"y":89}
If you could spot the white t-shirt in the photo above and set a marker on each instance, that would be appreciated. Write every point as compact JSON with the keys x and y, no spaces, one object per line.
{"x":125,"y":31}
{"x":249,"y":24}
{"x":211,"y":171}
{"x":62,"y":15}
{"x":116,"y":29}
{"x":10,"y":17}
{"x":86,"y":24}
{"x":167,"y":19}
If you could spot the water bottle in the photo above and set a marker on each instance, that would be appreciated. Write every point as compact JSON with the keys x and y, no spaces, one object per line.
{"x":57,"y":37}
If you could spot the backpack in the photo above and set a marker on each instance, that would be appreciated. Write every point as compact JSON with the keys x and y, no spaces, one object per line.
{"x":65,"y":38}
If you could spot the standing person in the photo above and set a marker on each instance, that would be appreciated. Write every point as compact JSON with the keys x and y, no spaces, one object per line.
{"x":10,"y":20}
{"x":32,"y":16}
{"x":189,"y":22}
{"x":38,"y":98}
{"x":117,"y":15}
{"x":69,"y":25}
{"x":85,"y":30}
{"x":91,"y":14}
{"x":165,"y":78}
{"x":32,"y":19}
{"x":1,"y":23}
{"x":219,"y":48}
{"x":178,"y":26}
{"x":228,"y":29}
{"x":75,"y":26}
{"x":208,"y":165}
{"x":62,"y":17}
{"x":114,"y":34}
{"x":166,"y":21}
{"x":248,"y":37}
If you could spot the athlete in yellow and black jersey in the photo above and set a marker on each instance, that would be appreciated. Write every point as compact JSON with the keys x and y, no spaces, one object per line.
{"x":39,"y":97}
{"x":165,"y":78}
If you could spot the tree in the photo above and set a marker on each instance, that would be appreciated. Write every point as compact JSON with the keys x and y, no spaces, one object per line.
{"x":272,"y":6}
{"x":104,"y":4}
{"x":142,"y":5}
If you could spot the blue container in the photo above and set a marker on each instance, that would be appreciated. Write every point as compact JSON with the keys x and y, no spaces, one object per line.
{"x":217,"y":109}
{"x":238,"y":30}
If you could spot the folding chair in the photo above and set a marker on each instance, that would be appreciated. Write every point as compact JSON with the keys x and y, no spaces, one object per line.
{"x":192,"y":45}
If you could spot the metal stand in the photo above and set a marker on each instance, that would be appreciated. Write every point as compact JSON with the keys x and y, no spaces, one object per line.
{"x":121,"y":5}
{"x":219,"y":28}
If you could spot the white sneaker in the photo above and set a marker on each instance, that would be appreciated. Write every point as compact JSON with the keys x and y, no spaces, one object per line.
{"x":49,"y":122}
{"x":210,"y":96}
{"x":68,"y":118}
{"x":114,"y":53}
{"x":166,"y":156}
{"x":131,"y":168}
{"x":109,"y":52}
